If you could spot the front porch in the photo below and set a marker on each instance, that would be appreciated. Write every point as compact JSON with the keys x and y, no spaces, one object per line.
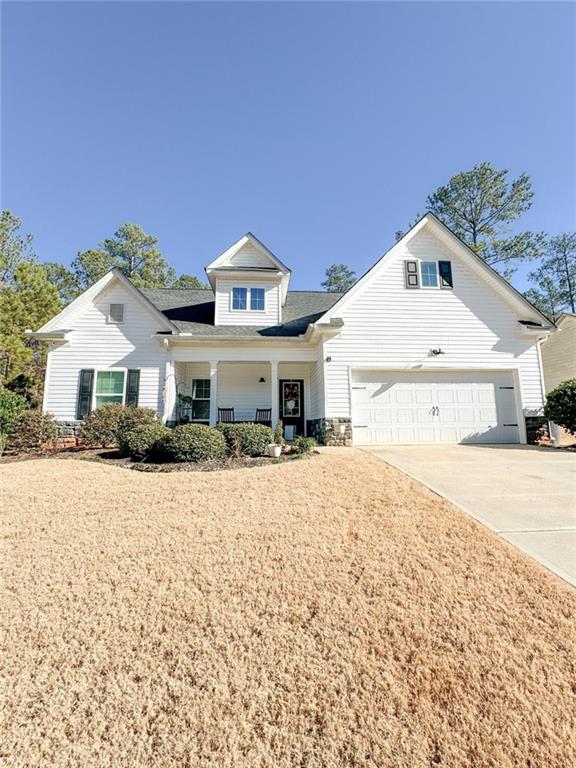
{"x":211,"y":391}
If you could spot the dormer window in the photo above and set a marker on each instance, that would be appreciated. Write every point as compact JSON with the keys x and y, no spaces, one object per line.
{"x":253,"y":298}
{"x":239,"y":298}
{"x":257,"y":299}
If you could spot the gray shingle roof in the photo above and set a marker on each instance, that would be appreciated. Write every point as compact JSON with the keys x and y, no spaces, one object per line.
{"x":191,"y":310}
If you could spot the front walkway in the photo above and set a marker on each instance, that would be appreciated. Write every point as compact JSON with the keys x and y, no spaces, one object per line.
{"x":527,"y":495}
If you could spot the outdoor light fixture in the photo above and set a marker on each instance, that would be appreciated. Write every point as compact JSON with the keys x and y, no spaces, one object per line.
{"x":328,"y":359}
{"x":262,"y":380}
{"x":437,"y":351}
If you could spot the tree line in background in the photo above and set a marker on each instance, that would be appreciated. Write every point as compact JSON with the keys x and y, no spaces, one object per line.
{"x":31,"y":292}
{"x":478,"y":206}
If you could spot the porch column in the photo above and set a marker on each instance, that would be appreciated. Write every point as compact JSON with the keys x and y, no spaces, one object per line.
{"x":169,"y":394}
{"x":213,"y":392}
{"x":275,"y":416}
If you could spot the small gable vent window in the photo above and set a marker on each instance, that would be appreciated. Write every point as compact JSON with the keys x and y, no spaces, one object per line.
{"x":116,"y":313}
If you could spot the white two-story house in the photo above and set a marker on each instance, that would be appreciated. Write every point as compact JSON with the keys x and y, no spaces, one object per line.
{"x":430,"y":346}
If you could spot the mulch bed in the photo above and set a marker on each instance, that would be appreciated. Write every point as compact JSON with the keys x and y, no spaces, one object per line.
{"x":112,"y":457}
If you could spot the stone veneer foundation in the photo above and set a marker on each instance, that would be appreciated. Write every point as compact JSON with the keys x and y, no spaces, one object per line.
{"x":326,"y":431}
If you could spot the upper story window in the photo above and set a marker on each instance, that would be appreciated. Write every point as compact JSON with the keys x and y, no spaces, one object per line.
{"x":239,"y":298}
{"x":116,"y":313}
{"x":257,"y":299}
{"x":242,"y":298}
{"x":428,"y":274}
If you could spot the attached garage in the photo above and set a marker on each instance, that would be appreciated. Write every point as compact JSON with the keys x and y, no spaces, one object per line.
{"x":434,"y":407}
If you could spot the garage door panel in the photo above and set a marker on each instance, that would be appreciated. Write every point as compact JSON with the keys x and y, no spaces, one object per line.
{"x":426,"y":407}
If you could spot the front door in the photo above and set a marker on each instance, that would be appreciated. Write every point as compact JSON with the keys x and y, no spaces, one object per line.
{"x":292,"y":404}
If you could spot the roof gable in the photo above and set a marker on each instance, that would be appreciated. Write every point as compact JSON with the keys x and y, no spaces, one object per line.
{"x":430,"y":223}
{"x":76,"y":307}
{"x":248,"y":252}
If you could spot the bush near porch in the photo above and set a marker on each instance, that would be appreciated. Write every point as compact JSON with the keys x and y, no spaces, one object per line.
{"x":106,"y":425}
{"x":246,"y":439}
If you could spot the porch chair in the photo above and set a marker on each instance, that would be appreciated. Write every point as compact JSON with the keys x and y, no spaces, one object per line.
{"x":263,"y":416}
{"x":226,"y":415}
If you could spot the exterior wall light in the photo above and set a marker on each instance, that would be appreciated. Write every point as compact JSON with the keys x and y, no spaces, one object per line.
{"x":262,"y":380}
{"x":328,"y":359}
{"x":437,"y":351}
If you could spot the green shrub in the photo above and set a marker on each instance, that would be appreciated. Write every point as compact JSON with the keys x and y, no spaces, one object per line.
{"x":143,"y":441}
{"x":561,"y":405}
{"x":247,"y":439}
{"x":304,"y":444}
{"x":193,"y":442}
{"x":31,"y":431}
{"x":105,"y":426}
{"x":3,"y":441}
{"x":11,"y":406}
{"x":279,"y":434}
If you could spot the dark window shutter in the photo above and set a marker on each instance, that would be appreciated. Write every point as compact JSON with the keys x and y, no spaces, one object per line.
{"x":411,"y":274}
{"x":133,"y":387}
{"x":445,"y":270}
{"x":85,"y":385}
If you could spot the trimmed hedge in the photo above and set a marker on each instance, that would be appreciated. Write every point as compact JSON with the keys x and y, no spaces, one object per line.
{"x":246,"y":439}
{"x":106,"y":425}
{"x":143,"y":441}
{"x":31,"y":430}
{"x":193,"y":442}
{"x":561,"y":405}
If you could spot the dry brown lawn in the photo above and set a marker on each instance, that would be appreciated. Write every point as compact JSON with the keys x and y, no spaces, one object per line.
{"x":326,"y":612}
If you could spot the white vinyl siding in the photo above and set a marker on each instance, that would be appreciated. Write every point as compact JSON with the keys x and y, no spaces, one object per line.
{"x":316,"y":404}
{"x":559,"y":353}
{"x":387,"y":326}
{"x":97,"y":344}
{"x":226,"y":315}
{"x":249,"y":256}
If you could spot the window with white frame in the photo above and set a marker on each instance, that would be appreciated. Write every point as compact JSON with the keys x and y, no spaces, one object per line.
{"x":239,"y":298}
{"x":429,"y":273}
{"x":110,"y":387}
{"x":257,"y":299}
{"x":200,"y":399}
{"x":253,"y":298}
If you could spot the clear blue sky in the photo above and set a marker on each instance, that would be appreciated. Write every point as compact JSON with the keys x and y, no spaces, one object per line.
{"x":320,"y":127}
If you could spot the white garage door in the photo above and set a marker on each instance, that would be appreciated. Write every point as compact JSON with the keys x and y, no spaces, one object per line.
{"x":426,"y":407}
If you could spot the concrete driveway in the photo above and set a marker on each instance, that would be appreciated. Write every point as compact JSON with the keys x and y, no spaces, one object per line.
{"x":527,"y":495}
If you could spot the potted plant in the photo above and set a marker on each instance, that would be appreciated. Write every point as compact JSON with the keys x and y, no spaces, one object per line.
{"x":275,"y":448}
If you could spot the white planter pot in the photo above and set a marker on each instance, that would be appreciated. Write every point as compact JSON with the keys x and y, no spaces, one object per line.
{"x":340,"y":429}
{"x":274,"y":450}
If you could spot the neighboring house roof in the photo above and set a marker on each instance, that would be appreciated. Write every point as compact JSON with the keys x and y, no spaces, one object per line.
{"x":191,"y":310}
